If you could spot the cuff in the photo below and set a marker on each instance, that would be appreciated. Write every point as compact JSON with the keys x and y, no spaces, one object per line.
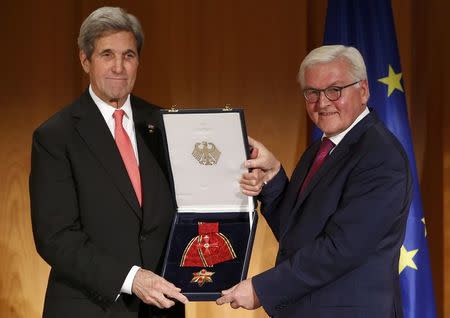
{"x":128,"y":283}
{"x":275,"y":185}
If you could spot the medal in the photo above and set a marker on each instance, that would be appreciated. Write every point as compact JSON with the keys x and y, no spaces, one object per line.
{"x":208,"y":248}
{"x":202,"y":277}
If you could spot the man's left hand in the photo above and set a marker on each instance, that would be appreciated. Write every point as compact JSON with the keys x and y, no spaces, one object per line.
{"x":241,"y":295}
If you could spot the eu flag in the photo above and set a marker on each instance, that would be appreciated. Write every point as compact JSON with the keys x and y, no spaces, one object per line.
{"x":369,"y":26}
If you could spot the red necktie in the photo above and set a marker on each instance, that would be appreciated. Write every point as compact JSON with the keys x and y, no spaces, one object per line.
{"x":325,"y":148}
{"x":127,"y":153}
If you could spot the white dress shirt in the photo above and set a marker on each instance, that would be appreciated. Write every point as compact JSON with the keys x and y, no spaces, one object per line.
{"x":127,"y":121}
{"x":128,"y":124}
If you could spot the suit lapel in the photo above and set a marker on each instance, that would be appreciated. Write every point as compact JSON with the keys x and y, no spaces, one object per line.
{"x":334,"y":158}
{"x":300,"y":174}
{"x":94,"y":131}
{"x":146,"y":167}
{"x":148,"y":142}
{"x":339,"y":152}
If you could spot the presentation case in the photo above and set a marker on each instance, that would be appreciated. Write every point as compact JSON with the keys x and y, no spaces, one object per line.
{"x":212,"y":234}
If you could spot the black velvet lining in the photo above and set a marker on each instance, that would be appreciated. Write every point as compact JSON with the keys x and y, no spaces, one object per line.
{"x":235,"y":226}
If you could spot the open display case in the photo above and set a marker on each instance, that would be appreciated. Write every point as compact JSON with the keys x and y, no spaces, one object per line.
{"x":212,"y":234}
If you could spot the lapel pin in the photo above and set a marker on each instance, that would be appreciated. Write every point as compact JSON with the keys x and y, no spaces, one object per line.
{"x":151,"y":128}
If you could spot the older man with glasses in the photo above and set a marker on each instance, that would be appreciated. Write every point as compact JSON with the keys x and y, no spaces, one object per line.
{"x":340,"y":220}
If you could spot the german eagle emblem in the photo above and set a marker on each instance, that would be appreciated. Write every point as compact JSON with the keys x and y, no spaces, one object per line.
{"x":206,"y":153}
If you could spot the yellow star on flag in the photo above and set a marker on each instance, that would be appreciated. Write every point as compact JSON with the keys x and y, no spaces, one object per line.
{"x":392,"y":81}
{"x":406,"y":259}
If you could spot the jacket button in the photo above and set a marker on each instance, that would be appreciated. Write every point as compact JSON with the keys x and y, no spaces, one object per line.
{"x":143,"y":237}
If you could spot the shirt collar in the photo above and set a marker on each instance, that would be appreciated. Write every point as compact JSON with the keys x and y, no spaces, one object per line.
{"x":108,"y":110}
{"x":338,"y":138}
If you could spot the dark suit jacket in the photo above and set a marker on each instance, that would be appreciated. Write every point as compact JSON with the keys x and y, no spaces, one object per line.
{"x":339,"y":241}
{"x":87,"y":223}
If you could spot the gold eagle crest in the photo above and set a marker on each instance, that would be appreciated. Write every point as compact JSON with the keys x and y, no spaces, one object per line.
{"x":206,"y":153}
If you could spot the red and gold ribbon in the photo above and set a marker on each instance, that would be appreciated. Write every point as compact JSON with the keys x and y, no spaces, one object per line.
{"x":208,"y":248}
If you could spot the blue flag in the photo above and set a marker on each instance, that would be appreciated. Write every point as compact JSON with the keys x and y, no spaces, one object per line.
{"x":369,"y":26}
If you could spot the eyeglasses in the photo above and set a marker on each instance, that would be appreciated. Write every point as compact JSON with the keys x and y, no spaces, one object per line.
{"x":333,"y":93}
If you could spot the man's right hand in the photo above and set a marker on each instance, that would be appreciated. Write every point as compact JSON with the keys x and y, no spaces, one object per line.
{"x":264,"y":167}
{"x":155,"y":290}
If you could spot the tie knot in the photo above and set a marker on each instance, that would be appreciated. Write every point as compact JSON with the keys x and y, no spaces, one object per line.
{"x":118,"y":115}
{"x":326,"y":145}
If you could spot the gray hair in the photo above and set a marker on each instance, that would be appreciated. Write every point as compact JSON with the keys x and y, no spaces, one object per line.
{"x":108,"y":20}
{"x":329,"y":53}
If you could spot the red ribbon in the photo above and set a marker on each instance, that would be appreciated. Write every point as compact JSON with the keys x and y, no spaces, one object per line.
{"x":208,"y":248}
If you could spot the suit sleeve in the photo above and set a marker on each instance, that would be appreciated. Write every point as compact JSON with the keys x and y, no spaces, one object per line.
{"x":270,"y":197}
{"x":375,"y":199}
{"x":57,"y":227}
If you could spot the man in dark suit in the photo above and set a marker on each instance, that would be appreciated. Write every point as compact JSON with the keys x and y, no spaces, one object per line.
{"x":100,"y":200}
{"x":340,"y":220}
